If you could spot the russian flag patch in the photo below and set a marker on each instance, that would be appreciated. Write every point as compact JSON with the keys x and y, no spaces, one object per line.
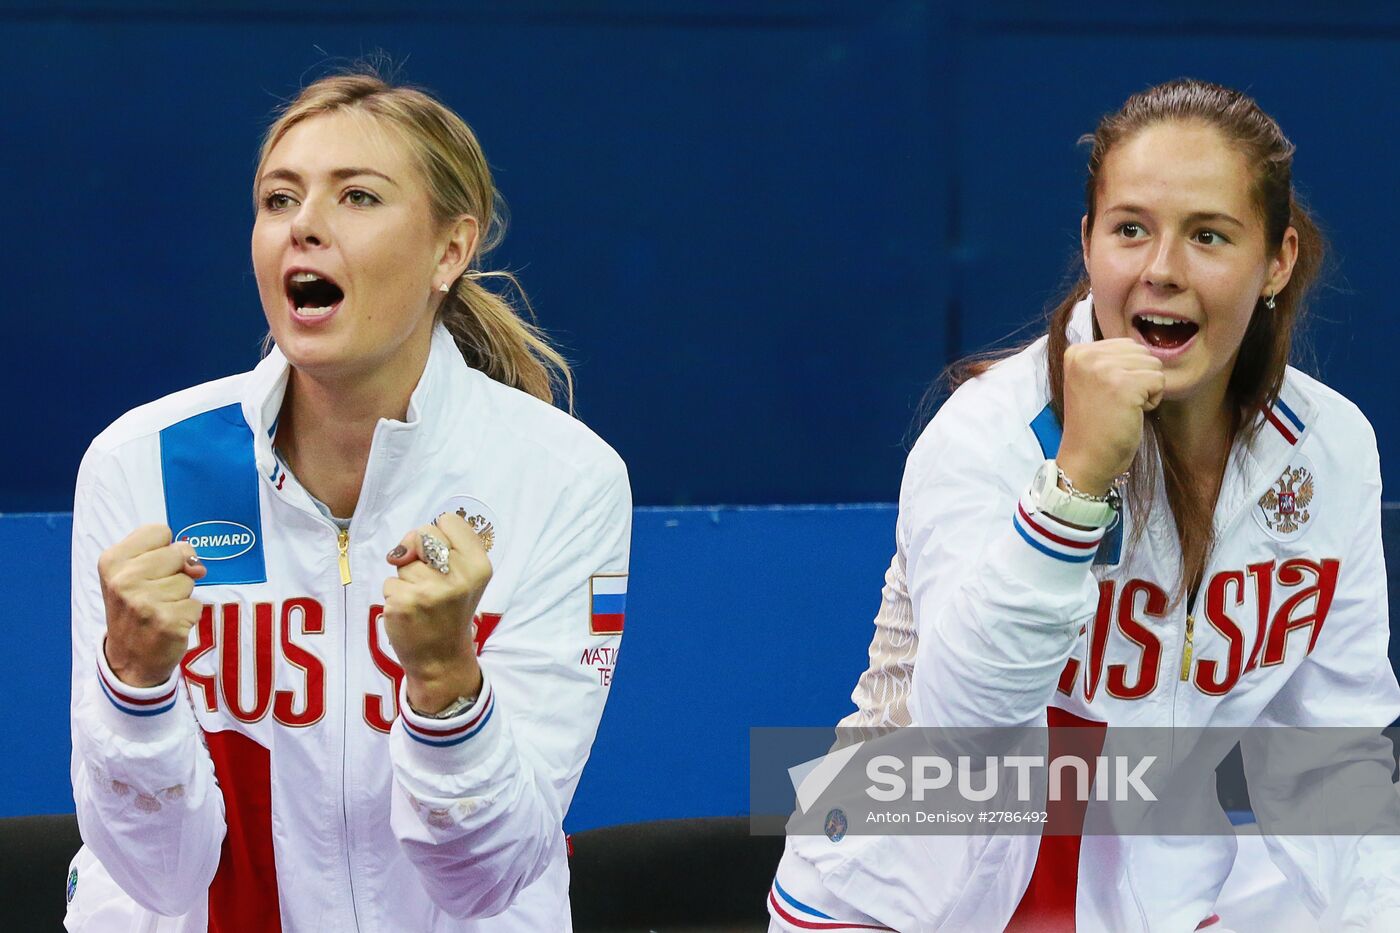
{"x":607,"y":603}
{"x":1288,"y":423}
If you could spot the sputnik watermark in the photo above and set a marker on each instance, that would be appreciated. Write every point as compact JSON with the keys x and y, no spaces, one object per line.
{"x":1073,"y":780}
{"x":1118,"y":777}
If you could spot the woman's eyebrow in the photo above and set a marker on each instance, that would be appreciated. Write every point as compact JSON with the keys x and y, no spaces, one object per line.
{"x":1193,"y":217}
{"x":340,"y":174}
{"x":1212,"y":217}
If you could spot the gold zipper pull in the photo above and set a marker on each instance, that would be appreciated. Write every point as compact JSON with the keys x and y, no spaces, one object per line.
{"x":1186,"y":654}
{"x":342,"y":542}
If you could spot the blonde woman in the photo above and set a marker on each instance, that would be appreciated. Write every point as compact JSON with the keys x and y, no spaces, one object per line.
{"x":328,"y":614}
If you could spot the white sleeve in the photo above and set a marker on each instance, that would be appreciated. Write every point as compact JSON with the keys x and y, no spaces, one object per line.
{"x":1347,"y":681}
{"x":999,"y":592}
{"x":480,"y":798}
{"x":148,"y":805}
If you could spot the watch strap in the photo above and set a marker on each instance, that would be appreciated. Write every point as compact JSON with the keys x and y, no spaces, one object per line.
{"x":1069,"y":506}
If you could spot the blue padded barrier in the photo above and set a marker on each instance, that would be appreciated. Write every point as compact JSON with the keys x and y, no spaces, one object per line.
{"x":737,"y":617}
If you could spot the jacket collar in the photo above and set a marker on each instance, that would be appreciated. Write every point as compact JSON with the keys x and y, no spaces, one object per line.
{"x":437,"y":397}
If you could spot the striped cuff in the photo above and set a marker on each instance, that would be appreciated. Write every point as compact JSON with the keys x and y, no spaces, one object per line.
{"x":449,"y":744}
{"x":135,"y":712}
{"x":1054,"y":538}
{"x":452,"y":731}
{"x":1045,"y":554}
{"x":796,"y":915}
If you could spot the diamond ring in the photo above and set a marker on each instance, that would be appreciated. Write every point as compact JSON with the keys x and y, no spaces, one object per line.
{"x":435,"y":552}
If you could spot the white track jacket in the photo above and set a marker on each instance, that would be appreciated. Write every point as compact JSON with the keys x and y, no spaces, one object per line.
{"x":994,"y":615}
{"x":279,"y":780}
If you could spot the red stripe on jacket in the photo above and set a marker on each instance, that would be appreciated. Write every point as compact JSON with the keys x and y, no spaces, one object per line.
{"x":243,"y":896}
{"x":1048,"y":906}
{"x":1283,"y":429}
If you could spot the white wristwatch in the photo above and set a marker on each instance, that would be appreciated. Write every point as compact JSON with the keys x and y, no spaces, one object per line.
{"x":1072,"y":506}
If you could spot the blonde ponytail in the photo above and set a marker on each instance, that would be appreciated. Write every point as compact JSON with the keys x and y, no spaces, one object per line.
{"x":496,"y":339}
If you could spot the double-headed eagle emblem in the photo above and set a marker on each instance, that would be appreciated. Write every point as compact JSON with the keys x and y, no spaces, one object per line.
{"x":1285,"y":505}
{"x":483,"y":528}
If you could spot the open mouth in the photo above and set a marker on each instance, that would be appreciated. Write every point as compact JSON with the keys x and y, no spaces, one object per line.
{"x":1164,"y":332}
{"x":312,"y":294}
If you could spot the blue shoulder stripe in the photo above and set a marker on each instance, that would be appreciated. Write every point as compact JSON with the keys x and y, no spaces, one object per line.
{"x":1048,"y":431}
{"x":1288,"y":413}
{"x":210,"y":476}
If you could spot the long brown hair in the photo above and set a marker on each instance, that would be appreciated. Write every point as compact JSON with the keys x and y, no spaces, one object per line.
{"x":492,"y":335}
{"x":1264,"y":353}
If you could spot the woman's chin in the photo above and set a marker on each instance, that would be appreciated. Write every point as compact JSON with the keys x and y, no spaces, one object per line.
{"x":311,"y":353}
{"x":344,"y":352}
{"x":1188,"y":386}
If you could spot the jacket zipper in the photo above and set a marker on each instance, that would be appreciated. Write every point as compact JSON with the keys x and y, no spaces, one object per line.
{"x":342,"y":544}
{"x":1186,"y":649}
{"x":1186,"y":653}
{"x":1188,"y":644}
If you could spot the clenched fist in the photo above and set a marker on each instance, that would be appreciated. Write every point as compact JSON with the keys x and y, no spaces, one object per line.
{"x":146,"y":587}
{"x":428,"y":614}
{"x":1109,"y":386}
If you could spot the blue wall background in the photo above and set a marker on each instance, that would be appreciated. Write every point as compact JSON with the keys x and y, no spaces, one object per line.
{"x":773,"y":221}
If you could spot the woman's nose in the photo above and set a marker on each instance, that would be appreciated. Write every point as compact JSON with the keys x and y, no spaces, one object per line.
{"x":1163,"y":269}
{"x":309,"y":227}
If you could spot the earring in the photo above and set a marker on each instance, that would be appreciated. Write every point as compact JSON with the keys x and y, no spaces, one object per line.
{"x":1269,"y":302}
{"x":444,"y":287}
